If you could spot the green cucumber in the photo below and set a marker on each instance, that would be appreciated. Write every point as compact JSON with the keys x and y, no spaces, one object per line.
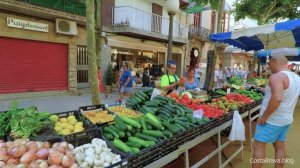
{"x":146,"y":137}
{"x":153,"y":124}
{"x":180,"y":127}
{"x":120,"y":132}
{"x":113,"y":132}
{"x":184,"y":124}
{"x":132,"y":144}
{"x":135,"y":150}
{"x":131,"y":122}
{"x":154,"y":133}
{"x":164,"y":117}
{"x":143,"y":123}
{"x":171,"y":127}
{"x":139,"y":141}
{"x":129,"y":127}
{"x":145,"y":108}
{"x":168,"y":134}
{"x":121,"y":145}
{"x":128,"y":134}
{"x":108,"y":136}
{"x":151,"y":143}
{"x":153,"y":118}
{"x":120,"y":123}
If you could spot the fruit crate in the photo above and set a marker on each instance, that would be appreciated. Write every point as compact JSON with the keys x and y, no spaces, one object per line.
{"x":86,"y":136}
{"x":195,"y":132}
{"x":94,"y":107}
{"x":137,"y":112}
{"x":243,"y":109}
{"x":174,"y":142}
{"x":146,"y":156}
{"x":75,"y":113}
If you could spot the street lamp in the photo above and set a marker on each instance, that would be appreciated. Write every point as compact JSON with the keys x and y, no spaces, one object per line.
{"x":172,"y":7}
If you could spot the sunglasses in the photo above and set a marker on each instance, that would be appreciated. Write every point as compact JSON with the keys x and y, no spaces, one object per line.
{"x":172,"y":68}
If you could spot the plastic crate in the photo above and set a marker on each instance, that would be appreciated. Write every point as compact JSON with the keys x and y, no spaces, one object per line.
{"x":93,"y":107}
{"x":146,"y":156}
{"x":243,"y":109}
{"x":85,"y":137}
{"x":75,"y":113}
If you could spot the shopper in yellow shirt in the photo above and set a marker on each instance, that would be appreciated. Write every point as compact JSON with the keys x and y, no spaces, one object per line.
{"x":170,"y":81}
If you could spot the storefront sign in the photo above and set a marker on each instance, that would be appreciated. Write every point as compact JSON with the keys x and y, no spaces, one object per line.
{"x":23,"y":24}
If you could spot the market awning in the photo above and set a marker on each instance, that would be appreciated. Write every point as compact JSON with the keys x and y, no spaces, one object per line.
{"x":280,"y":51}
{"x":279,"y":35}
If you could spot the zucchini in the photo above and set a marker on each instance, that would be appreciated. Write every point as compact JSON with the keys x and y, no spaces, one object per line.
{"x":139,"y":141}
{"x":162,"y":116}
{"x":153,"y":124}
{"x":143,"y":123}
{"x":128,"y":134}
{"x":120,"y":123}
{"x":184,"y":124}
{"x":120,"y":132}
{"x":121,"y":145}
{"x":146,"y":109}
{"x":135,"y":150}
{"x":108,"y":136}
{"x":168,"y":134}
{"x":151,"y":143}
{"x":153,"y":118}
{"x":180,"y":127}
{"x":165,"y":113}
{"x":154,"y":133}
{"x":149,"y":126}
{"x":131,"y":122}
{"x":129,"y":127}
{"x":145,"y":137}
{"x":113,"y":132}
{"x":132,"y":144}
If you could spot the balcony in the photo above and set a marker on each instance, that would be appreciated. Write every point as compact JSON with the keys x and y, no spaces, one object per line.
{"x":129,"y":20}
{"x":199,"y":32}
{"x":68,"y":6}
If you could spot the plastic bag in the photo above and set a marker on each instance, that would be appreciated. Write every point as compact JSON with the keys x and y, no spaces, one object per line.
{"x":237,"y":132}
{"x":155,"y":93}
{"x":198,"y":113}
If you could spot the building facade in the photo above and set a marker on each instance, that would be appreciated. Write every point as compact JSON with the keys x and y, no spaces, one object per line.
{"x":39,"y":45}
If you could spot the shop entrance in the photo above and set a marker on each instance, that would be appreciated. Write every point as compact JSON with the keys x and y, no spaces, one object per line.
{"x":82,"y":67}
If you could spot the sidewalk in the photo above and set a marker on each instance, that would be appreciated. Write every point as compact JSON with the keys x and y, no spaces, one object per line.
{"x":54,"y":103}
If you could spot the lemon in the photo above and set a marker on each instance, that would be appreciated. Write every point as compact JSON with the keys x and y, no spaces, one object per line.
{"x":64,"y":125}
{"x":57,"y":124}
{"x":71,"y":117}
{"x":70,"y":127}
{"x":58,"y":128}
{"x":79,"y":124}
{"x":65,"y":132}
{"x":78,"y":129}
{"x":53,"y":118}
{"x":63,"y":120}
{"x":73,"y":121}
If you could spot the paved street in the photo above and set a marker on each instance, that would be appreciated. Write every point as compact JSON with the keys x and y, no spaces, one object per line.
{"x":57,"y":102}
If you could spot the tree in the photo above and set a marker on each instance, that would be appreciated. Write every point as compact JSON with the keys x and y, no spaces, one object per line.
{"x":217,"y":5}
{"x":91,"y":47}
{"x":266,"y":11}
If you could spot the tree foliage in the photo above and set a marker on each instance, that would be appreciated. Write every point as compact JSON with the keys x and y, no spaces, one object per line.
{"x":214,"y":4}
{"x":266,"y":11}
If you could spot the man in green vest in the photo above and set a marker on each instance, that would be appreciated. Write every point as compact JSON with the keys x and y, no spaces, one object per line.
{"x":170,"y":81}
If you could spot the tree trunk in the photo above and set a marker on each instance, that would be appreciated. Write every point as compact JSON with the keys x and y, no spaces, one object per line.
{"x":214,"y":60}
{"x":253,"y":65}
{"x":210,"y":70}
{"x":91,"y":46}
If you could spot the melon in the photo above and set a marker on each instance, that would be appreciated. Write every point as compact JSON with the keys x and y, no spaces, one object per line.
{"x":188,"y":94}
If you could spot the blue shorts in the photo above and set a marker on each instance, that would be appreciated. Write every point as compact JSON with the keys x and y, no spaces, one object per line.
{"x":125,"y":89}
{"x":271,"y":133}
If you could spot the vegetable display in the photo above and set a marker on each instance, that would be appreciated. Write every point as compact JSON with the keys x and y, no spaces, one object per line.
{"x":25,"y":153}
{"x":23,"y":123}
{"x":95,"y":154}
{"x":250,"y":93}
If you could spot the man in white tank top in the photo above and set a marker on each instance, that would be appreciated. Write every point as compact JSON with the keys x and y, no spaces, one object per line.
{"x":276,"y":113}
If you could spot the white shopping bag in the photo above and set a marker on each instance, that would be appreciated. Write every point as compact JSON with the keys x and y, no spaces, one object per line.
{"x":155,"y":93}
{"x":237,"y":132}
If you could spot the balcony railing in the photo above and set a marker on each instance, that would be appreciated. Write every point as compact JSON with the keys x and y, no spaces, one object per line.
{"x":69,"y":6}
{"x":197,"y":31}
{"x":132,"y":17}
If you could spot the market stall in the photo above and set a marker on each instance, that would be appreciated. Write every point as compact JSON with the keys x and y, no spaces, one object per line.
{"x":148,"y":132}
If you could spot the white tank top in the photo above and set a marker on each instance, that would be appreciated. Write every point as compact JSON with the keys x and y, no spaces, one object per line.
{"x":284,"y":113}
